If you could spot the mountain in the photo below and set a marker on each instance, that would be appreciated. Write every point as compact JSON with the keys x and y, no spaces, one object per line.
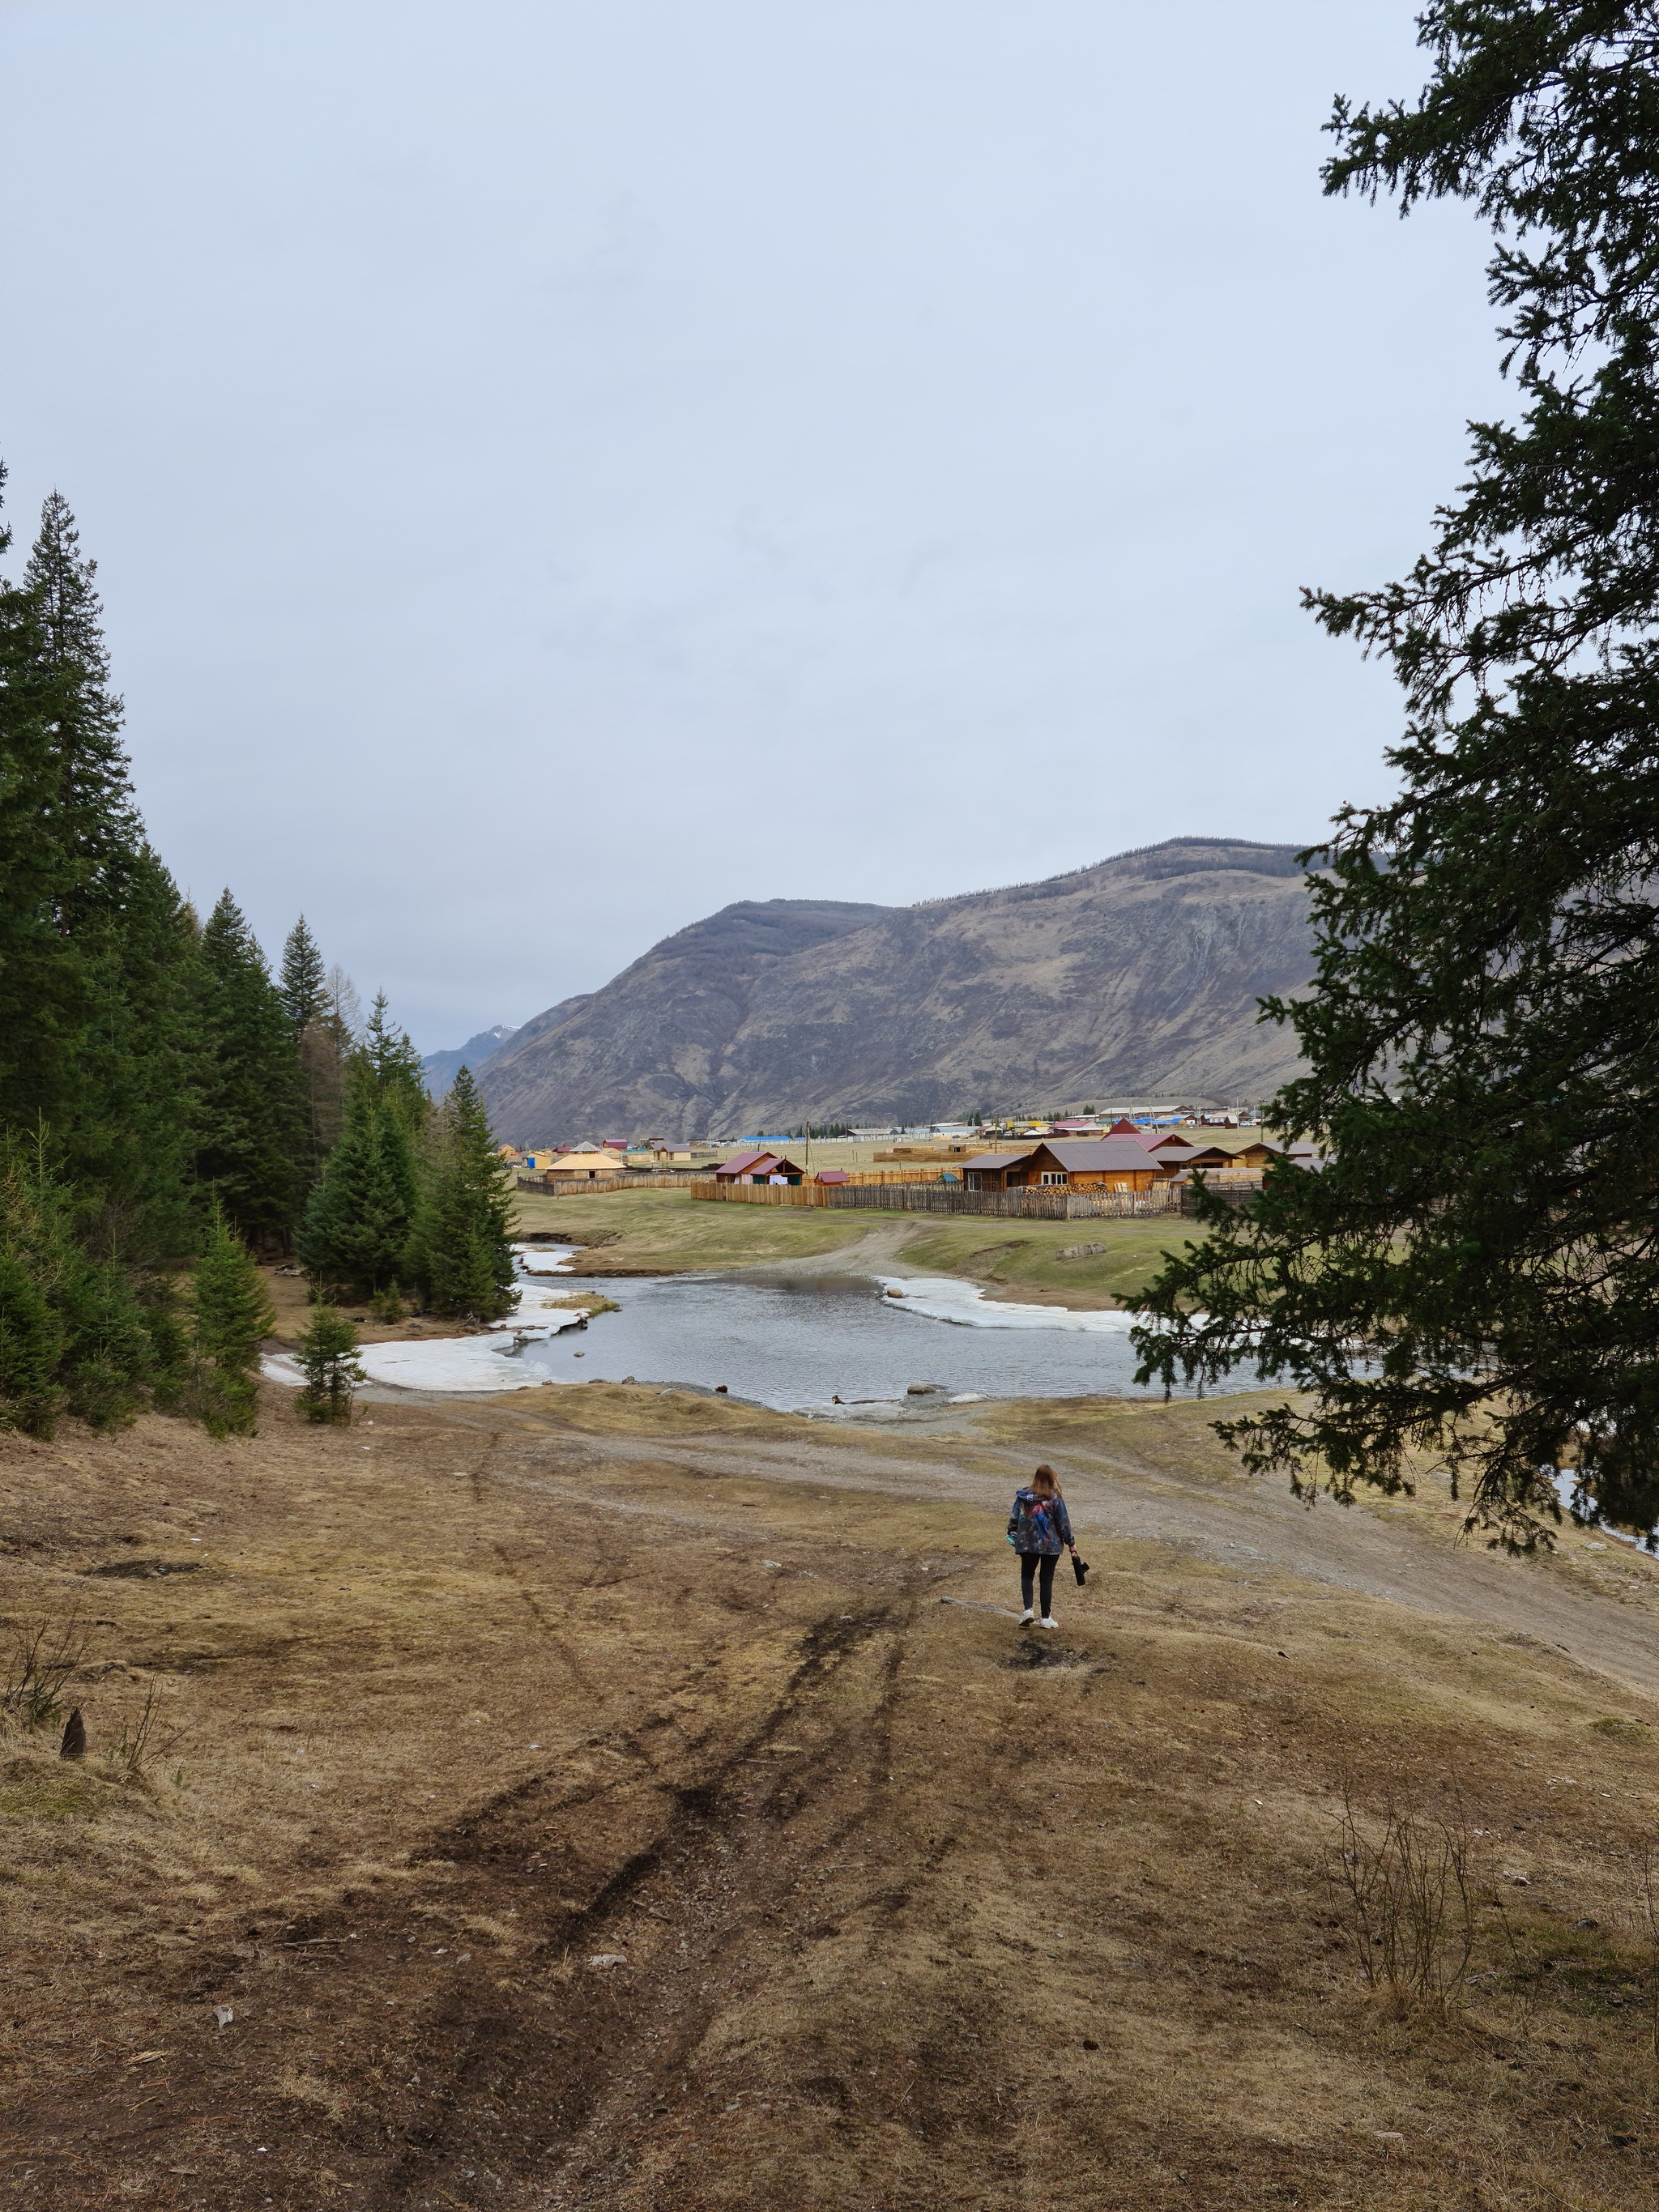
{"x":441,"y":1066}
{"x":1135,"y":978}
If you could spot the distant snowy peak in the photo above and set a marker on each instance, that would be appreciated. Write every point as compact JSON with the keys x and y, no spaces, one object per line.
{"x":442,"y":1068}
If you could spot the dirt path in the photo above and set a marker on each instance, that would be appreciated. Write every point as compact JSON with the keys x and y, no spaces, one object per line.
{"x":878,"y":1253}
{"x":1600,"y":1609}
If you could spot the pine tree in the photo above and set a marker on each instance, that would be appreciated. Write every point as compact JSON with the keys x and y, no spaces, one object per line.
{"x":304,"y":988}
{"x":358,"y":1223}
{"x":75,"y":1333}
{"x":252,"y":1151}
{"x":231,"y":1314}
{"x":43,"y":984}
{"x":462,"y":1247}
{"x":1474,"y":1273}
{"x":32,"y":1334}
{"x":95,"y":992}
{"x":303,"y":985}
{"x":395,"y":1067}
{"x":133,"y":1142}
{"x":95,"y":820}
{"x":327,"y":1355}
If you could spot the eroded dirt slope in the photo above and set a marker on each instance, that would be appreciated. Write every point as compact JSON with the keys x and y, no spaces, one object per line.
{"x":601,"y":1798}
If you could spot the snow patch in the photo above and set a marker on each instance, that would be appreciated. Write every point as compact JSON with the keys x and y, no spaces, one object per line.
{"x":943,"y":1297}
{"x":456,"y":1363}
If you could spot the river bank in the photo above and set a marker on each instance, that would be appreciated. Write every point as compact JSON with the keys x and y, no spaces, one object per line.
{"x":466,"y":1858}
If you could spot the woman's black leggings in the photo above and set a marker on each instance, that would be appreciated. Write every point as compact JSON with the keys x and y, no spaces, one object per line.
{"x":1029,"y":1564}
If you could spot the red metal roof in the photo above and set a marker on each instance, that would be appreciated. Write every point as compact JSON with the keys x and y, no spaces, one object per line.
{"x":743,"y":1164}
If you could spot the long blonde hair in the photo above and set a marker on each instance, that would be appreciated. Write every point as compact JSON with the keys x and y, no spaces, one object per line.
{"x":1045,"y":1483}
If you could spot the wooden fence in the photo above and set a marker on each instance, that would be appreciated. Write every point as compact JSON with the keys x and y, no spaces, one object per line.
{"x":1038,"y":1205}
{"x":576,"y":1187}
{"x":1033,"y":1204}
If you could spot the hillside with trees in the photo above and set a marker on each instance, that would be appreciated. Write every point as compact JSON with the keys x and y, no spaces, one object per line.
{"x":171,"y":1109}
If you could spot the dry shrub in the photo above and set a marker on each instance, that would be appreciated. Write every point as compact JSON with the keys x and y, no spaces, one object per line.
{"x":45,"y":1654}
{"x":1406,"y":1883}
{"x":143,"y":1739}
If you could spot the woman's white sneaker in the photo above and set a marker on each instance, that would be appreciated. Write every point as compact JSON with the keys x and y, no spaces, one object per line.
{"x":1048,"y":1621}
{"x":1027,"y":1618}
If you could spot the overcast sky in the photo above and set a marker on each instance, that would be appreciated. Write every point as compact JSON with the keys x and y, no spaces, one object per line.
{"x":557,"y":469}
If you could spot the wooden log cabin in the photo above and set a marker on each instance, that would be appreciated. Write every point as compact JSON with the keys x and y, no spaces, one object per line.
{"x":1089,"y":1163}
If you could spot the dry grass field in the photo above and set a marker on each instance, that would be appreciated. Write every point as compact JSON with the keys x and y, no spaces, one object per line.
{"x":597,"y":1797}
{"x":652,"y":1232}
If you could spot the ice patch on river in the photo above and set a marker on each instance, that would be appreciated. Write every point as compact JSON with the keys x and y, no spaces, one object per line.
{"x":471,"y":1362}
{"x":455,"y":1363}
{"x":944,"y":1298}
{"x":545,"y":1259}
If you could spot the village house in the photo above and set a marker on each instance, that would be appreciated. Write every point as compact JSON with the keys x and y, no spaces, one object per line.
{"x":1087,"y":1164}
{"x":1250,"y":1159}
{"x":577,"y":1167}
{"x":759,"y":1167}
{"x":1177,"y":1158}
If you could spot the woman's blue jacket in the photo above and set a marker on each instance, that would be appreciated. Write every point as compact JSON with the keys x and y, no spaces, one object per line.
{"x":1039,"y":1525}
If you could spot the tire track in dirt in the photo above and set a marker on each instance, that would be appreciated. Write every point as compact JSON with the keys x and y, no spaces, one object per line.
{"x":719,"y":1865}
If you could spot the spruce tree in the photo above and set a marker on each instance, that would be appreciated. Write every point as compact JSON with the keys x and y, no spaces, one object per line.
{"x":74,"y":1334}
{"x":327,"y":1355}
{"x":32,"y":1334}
{"x":1474,"y":1278}
{"x":252,"y":1148}
{"x":95,"y":994}
{"x":132,"y":1145}
{"x":44,"y":995}
{"x":95,"y":820}
{"x":304,"y":989}
{"x":231,"y":1314}
{"x":302,"y":986}
{"x":463,"y":1250}
{"x":358,"y":1223}
{"x":395,"y":1067}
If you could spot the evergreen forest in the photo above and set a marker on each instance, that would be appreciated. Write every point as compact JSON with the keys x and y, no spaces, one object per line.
{"x":172,"y":1111}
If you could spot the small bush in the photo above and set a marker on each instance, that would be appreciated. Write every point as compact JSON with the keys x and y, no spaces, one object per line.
{"x":1408,"y":1885}
{"x":231,"y":1314}
{"x":45,"y":1654}
{"x":143,"y":1739}
{"x":327,"y":1354}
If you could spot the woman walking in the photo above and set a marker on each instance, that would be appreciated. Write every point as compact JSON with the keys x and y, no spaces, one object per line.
{"x":1039,"y":1529}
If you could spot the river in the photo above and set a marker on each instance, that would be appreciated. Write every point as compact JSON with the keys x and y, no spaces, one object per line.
{"x":848,"y":1347}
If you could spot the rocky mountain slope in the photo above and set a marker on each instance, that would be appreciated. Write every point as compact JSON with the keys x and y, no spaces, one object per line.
{"x":1136,"y":978}
{"x":440,"y":1069}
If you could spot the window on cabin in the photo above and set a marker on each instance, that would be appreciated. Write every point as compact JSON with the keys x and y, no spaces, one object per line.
{"x":1049,"y":1178}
